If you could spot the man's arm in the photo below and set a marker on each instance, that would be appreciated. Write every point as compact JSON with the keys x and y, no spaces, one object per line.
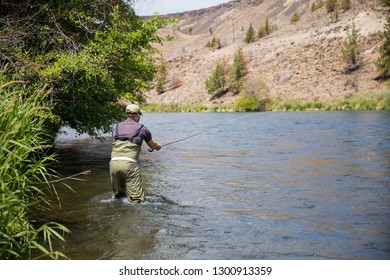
{"x":154,"y":145}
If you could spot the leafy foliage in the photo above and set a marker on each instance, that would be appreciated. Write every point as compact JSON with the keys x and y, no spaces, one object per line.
{"x":315,"y":6}
{"x":89,"y":53}
{"x":295,"y":18}
{"x":24,"y":173}
{"x":253,"y":97}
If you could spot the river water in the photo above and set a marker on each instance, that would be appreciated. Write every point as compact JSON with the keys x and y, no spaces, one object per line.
{"x":274,"y":185}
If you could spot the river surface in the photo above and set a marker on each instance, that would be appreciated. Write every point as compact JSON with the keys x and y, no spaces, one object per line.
{"x":274,"y":185}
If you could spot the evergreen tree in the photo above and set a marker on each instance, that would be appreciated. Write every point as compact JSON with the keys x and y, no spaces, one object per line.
{"x":383,"y":62}
{"x":267,"y":26}
{"x":250,"y":35}
{"x":238,"y":71}
{"x":350,"y":46}
{"x":262,"y":32}
{"x":345,"y":5}
{"x":161,"y":76}
{"x":216,"y":83}
{"x":215,"y":43}
{"x":331,"y":5}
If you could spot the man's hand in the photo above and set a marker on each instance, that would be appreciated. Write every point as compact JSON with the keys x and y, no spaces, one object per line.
{"x":153,"y":146}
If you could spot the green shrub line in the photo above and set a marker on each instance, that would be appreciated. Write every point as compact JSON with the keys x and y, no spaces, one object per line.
{"x":25,"y":173}
{"x":364,"y":102}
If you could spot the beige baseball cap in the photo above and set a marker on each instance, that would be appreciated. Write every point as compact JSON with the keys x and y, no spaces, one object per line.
{"x":133,"y":108}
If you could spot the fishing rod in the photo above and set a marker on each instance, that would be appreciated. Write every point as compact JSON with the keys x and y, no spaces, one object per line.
{"x":203,"y":131}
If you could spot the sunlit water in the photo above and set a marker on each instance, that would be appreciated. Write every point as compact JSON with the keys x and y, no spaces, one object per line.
{"x":288,"y":185}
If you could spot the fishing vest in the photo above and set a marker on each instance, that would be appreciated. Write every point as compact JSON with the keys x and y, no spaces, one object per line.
{"x":123,"y":145}
{"x":122,"y":134}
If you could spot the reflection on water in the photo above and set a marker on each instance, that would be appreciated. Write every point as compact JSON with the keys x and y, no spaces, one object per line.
{"x":292,"y":185}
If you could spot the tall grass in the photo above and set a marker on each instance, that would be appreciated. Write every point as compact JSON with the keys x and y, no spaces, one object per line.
{"x":24,"y":174}
{"x":161,"y":108}
{"x":364,"y":102}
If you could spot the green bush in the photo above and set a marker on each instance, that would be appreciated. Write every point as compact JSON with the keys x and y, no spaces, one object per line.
{"x":295,"y":18}
{"x":316,"y":6}
{"x":245,"y":104}
{"x":253,"y":96}
{"x":345,"y":5}
{"x":89,"y":53}
{"x":24,"y":172}
{"x":383,"y":101}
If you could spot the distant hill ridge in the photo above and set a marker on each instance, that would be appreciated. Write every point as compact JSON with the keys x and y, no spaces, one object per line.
{"x":298,"y":61}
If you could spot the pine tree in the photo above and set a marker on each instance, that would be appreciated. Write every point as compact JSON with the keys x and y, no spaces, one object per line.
{"x":345,"y":5}
{"x":350,"y":47}
{"x":267,"y":26}
{"x":216,"y":83}
{"x":238,"y":71}
{"x":331,"y":5}
{"x":383,"y":62}
{"x":250,"y":34}
{"x":161,"y":76}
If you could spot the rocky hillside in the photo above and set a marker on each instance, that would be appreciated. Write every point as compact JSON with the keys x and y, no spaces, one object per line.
{"x":297,"y":61}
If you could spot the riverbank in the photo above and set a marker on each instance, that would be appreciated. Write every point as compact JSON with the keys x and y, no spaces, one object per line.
{"x":365,"y":102}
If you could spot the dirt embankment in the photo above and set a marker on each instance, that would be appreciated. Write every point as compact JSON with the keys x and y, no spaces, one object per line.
{"x":297,"y":61}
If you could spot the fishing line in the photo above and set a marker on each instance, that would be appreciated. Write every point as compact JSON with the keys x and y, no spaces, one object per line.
{"x":205,"y":130}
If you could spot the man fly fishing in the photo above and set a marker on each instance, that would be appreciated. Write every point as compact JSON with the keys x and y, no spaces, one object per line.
{"x":124,"y":171}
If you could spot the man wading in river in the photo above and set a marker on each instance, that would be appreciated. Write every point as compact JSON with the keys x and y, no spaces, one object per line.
{"x":124,"y":170}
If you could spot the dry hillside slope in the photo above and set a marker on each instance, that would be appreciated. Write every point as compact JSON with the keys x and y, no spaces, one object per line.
{"x":298,"y":61}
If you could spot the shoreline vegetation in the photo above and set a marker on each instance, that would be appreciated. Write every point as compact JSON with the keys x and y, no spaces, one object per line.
{"x":27,"y":177}
{"x":366,"y":102}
